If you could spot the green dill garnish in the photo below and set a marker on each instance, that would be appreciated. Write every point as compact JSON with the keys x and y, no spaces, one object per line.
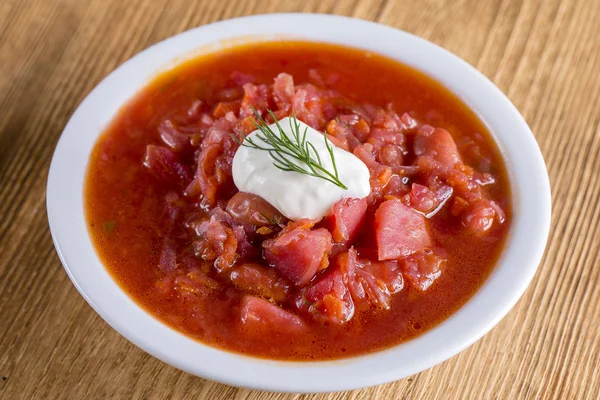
{"x":272,"y":220}
{"x":283,"y":149}
{"x":167,"y":84}
{"x":109,"y":226}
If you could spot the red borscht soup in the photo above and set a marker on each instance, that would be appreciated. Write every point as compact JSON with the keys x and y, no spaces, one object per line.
{"x":229,"y":269}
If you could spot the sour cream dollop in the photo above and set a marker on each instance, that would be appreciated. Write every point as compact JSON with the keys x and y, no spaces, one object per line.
{"x":297,"y":195}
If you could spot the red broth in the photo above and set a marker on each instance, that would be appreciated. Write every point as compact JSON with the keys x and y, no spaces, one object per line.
{"x":145,"y":207}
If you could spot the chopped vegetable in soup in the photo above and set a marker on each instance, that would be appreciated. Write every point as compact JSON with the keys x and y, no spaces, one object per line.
{"x":297,"y":201}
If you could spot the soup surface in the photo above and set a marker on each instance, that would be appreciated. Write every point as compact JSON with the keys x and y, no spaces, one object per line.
{"x":228,"y":269}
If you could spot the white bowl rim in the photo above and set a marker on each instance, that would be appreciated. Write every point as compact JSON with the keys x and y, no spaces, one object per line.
{"x":525,"y":246}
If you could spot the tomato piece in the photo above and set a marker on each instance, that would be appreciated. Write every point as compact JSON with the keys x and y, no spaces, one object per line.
{"x":347,"y":216}
{"x":260,"y":316}
{"x":299,"y":253}
{"x":399,"y":231}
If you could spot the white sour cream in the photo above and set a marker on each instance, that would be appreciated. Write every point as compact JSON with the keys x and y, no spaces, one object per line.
{"x":297,"y":195}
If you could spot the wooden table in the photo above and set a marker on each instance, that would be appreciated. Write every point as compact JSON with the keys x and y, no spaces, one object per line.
{"x":545,"y":55}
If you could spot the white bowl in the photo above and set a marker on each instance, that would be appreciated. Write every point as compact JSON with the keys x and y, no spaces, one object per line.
{"x":518,"y":263}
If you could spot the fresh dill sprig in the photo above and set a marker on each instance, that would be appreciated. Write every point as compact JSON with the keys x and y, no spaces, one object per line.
{"x":275,"y":220}
{"x":283,"y":149}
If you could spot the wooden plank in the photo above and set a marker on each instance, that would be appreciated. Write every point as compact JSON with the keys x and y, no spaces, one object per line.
{"x":544,"y":54}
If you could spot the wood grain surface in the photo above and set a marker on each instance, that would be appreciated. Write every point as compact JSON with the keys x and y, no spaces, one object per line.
{"x":545,"y":55}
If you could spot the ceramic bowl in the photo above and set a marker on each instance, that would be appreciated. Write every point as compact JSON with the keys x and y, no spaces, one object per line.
{"x":515,"y":269}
